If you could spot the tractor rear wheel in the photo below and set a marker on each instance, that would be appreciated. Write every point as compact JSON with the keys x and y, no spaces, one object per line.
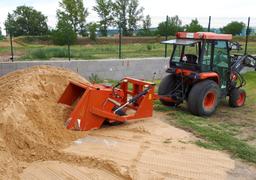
{"x":167,"y":84}
{"x":237,"y":97}
{"x":203,"y":98}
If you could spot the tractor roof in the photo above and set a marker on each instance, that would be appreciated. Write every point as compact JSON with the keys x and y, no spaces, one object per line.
{"x":186,"y":42}
{"x":204,"y":35}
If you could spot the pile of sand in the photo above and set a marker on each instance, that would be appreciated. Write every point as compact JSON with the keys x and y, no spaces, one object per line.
{"x":31,"y":122}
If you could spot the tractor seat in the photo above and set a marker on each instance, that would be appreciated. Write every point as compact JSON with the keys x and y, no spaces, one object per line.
{"x":191,"y":58}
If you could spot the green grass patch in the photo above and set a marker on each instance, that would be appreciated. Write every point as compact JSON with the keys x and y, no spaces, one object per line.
{"x":218,"y":137}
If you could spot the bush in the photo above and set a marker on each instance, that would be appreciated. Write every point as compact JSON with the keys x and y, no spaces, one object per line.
{"x":149,"y":47}
{"x":92,"y":31}
{"x":39,"y":54}
{"x":47,"y":53}
{"x":64,"y":34}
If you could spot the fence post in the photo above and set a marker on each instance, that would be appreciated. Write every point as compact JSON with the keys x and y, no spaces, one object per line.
{"x":120,"y":42}
{"x":69,"y":54}
{"x":166,"y":36}
{"x":69,"y":51}
{"x":247,"y":35}
{"x":11,"y":47}
{"x":209,"y":23}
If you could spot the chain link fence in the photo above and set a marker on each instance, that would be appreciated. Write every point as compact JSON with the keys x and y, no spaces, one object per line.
{"x":116,"y":45}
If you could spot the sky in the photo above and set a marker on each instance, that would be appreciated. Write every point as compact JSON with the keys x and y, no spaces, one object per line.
{"x":222,"y":11}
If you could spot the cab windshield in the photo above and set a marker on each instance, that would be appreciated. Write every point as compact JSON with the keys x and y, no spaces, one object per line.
{"x":185,"y":52}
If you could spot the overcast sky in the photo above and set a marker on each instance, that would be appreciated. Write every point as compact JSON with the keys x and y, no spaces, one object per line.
{"x":222,"y":11}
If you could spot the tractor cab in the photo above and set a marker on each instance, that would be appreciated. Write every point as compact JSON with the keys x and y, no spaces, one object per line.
{"x":201,"y":52}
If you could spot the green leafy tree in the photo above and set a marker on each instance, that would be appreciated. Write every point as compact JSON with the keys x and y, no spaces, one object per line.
{"x":147,"y":23}
{"x":64,"y":34}
{"x":170,"y":27}
{"x":104,"y":11}
{"x":145,"y":31}
{"x":26,"y":21}
{"x":92,"y":31}
{"x":120,"y":14}
{"x":1,"y":36}
{"x":74,"y":13}
{"x":134,"y":16}
{"x":234,"y":28}
{"x":194,"y":26}
{"x":127,"y":14}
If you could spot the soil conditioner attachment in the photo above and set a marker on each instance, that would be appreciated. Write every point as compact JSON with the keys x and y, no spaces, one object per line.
{"x":95,"y":104}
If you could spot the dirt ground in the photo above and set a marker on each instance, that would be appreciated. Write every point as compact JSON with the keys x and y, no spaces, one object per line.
{"x":34,"y":144}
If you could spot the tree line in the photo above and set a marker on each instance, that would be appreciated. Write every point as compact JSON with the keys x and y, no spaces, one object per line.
{"x":126,"y":15}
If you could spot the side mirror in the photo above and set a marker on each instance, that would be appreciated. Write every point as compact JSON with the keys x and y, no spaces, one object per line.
{"x":250,"y":61}
{"x":234,"y":46}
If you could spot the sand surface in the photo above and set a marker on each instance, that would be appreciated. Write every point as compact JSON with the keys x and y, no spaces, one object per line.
{"x":34,"y":143}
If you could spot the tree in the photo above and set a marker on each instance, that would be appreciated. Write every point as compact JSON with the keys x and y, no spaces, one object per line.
{"x":64,"y":34}
{"x":92,"y":31}
{"x":145,"y":31}
{"x":120,"y":14}
{"x":26,"y":21}
{"x":170,"y":27}
{"x":194,"y":26}
{"x":127,"y":14}
{"x":73,"y":13}
{"x":147,"y":23}
{"x":234,"y":28}
{"x":134,"y":16}
{"x":1,"y":36}
{"x":104,"y":11}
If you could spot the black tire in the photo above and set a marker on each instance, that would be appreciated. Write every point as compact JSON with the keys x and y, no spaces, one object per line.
{"x":237,"y":97}
{"x":203,"y":98}
{"x":167,"y":84}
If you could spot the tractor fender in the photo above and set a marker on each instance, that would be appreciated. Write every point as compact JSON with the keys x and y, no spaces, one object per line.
{"x":210,"y":75}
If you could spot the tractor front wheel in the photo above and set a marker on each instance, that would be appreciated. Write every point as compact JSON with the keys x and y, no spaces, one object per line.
{"x":167,"y":84}
{"x":237,"y":97}
{"x":203,"y":98}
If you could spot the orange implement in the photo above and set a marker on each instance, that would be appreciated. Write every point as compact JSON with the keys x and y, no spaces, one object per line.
{"x":93,"y":104}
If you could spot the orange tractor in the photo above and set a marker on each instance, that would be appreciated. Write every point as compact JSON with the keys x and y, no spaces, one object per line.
{"x":201,"y":72}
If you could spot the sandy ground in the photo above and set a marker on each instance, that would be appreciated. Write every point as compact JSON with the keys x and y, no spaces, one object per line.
{"x":148,"y":149}
{"x":34,"y":144}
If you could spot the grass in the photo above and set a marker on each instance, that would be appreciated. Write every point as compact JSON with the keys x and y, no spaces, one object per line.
{"x":92,"y":51}
{"x":216,"y":137}
{"x":96,"y":51}
{"x":226,"y":129}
